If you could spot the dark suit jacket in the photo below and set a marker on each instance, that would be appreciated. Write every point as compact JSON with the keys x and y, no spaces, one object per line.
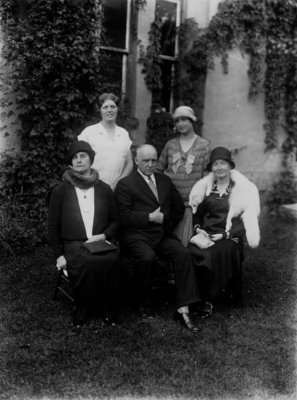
{"x":65,"y":222}
{"x":136,"y":201}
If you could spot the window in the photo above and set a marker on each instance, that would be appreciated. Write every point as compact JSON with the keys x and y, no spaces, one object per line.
{"x":168,"y":12}
{"x":115,"y":42}
{"x":115,"y":22}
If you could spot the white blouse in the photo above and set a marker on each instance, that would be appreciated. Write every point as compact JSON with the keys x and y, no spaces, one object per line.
{"x":111,"y":152}
{"x":86,"y":202}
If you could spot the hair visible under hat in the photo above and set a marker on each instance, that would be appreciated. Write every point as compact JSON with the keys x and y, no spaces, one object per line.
{"x":80,"y":146}
{"x":220,"y":153}
{"x":185,"y":111}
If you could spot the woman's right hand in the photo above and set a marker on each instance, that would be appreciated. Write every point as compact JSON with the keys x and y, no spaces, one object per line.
{"x":61,"y":262}
{"x":216,"y":237}
{"x":202,"y":231}
{"x":94,"y":238}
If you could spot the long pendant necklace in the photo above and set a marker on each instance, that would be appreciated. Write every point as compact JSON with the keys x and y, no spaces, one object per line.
{"x":86,"y":201}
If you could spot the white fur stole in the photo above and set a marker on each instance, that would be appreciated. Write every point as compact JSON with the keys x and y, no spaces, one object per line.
{"x":244,"y":202}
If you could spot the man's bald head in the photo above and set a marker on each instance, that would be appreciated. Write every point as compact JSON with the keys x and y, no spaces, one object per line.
{"x":144,"y":149}
{"x":146,"y":159}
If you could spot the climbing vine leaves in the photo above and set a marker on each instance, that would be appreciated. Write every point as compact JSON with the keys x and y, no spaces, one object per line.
{"x":265,"y":31}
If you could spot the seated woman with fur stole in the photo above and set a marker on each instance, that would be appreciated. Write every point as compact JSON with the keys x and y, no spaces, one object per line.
{"x":83,"y":214}
{"x":226,"y":208}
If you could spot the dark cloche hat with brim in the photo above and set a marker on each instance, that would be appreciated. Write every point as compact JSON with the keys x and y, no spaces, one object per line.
{"x":220,"y":153}
{"x":78,"y":146}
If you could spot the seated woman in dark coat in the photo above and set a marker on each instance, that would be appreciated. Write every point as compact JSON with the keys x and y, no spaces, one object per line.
{"x":227,"y":206}
{"x":82,"y":209}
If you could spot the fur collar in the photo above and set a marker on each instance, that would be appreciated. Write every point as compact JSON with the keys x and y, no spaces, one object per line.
{"x":81,"y":181}
{"x":244,"y":202}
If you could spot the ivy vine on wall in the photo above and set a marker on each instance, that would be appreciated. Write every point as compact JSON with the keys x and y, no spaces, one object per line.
{"x":51,"y":79}
{"x":54,"y":72}
{"x":266,"y":31}
{"x":150,"y":57}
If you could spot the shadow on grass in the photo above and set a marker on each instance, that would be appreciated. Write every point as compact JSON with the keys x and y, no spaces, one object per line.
{"x":238,"y":353}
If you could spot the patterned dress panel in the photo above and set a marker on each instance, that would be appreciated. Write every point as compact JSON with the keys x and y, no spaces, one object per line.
{"x":184,"y":168}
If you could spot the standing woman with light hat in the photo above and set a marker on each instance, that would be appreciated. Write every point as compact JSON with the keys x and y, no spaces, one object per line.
{"x":82,"y":210}
{"x":184,"y":160}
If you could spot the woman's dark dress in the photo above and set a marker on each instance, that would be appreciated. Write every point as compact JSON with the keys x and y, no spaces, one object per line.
{"x":216,"y":265}
{"x":91,"y":276}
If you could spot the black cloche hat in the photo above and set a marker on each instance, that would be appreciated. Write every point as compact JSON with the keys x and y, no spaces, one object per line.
{"x":220,"y":153}
{"x":76,"y":147}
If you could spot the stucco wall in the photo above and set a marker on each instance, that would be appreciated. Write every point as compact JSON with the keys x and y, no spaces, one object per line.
{"x":233,"y":121}
{"x":199,"y":10}
{"x":230,"y":119}
{"x":143,"y":95}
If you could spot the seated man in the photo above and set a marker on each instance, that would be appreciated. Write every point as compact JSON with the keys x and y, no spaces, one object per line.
{"x":150,"y":208}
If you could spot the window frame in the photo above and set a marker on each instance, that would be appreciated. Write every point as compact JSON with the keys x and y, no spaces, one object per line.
{"x":125,"y":52}
{"x":174,"y":58}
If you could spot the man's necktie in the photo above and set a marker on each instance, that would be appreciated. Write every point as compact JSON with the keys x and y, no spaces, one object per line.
{"x":153,"y":187}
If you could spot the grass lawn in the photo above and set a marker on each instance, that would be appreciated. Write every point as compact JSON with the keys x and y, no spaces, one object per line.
{"x":246,"y":353}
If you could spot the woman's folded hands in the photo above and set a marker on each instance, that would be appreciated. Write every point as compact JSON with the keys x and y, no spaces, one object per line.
{"x":94,"y":238}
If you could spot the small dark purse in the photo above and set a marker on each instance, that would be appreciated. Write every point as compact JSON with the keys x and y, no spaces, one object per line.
{"x":99,"y":247}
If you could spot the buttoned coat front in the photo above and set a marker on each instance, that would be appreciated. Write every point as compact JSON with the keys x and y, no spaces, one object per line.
{"x":136,"y":201}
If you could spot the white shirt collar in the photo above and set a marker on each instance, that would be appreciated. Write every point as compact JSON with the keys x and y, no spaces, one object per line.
{"x":146,"y":178}
{"x":103,"y":131}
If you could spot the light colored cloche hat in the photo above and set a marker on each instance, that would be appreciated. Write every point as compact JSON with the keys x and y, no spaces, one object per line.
{"x":185,"y":111}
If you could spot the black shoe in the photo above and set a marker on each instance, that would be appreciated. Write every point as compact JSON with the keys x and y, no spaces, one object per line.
{"x":185,"y":320}
{"x":206,"y":310}
{"x":202,"y":310}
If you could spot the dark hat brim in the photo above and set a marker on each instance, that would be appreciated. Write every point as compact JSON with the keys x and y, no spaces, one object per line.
{"x":80,"y":146}
{"x":231,"y":162}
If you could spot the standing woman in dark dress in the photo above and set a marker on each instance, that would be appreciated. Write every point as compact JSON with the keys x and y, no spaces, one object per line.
{"x":82,"y":209}
{"x":228,"y":207}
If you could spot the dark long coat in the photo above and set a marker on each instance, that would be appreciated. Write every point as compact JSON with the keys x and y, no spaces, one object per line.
{"x":90,"y":275}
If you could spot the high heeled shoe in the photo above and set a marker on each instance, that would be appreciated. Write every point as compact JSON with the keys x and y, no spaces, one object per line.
{"x":202,"y":310}
{"x":206,"y":310}
{"x":185,"y":320}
